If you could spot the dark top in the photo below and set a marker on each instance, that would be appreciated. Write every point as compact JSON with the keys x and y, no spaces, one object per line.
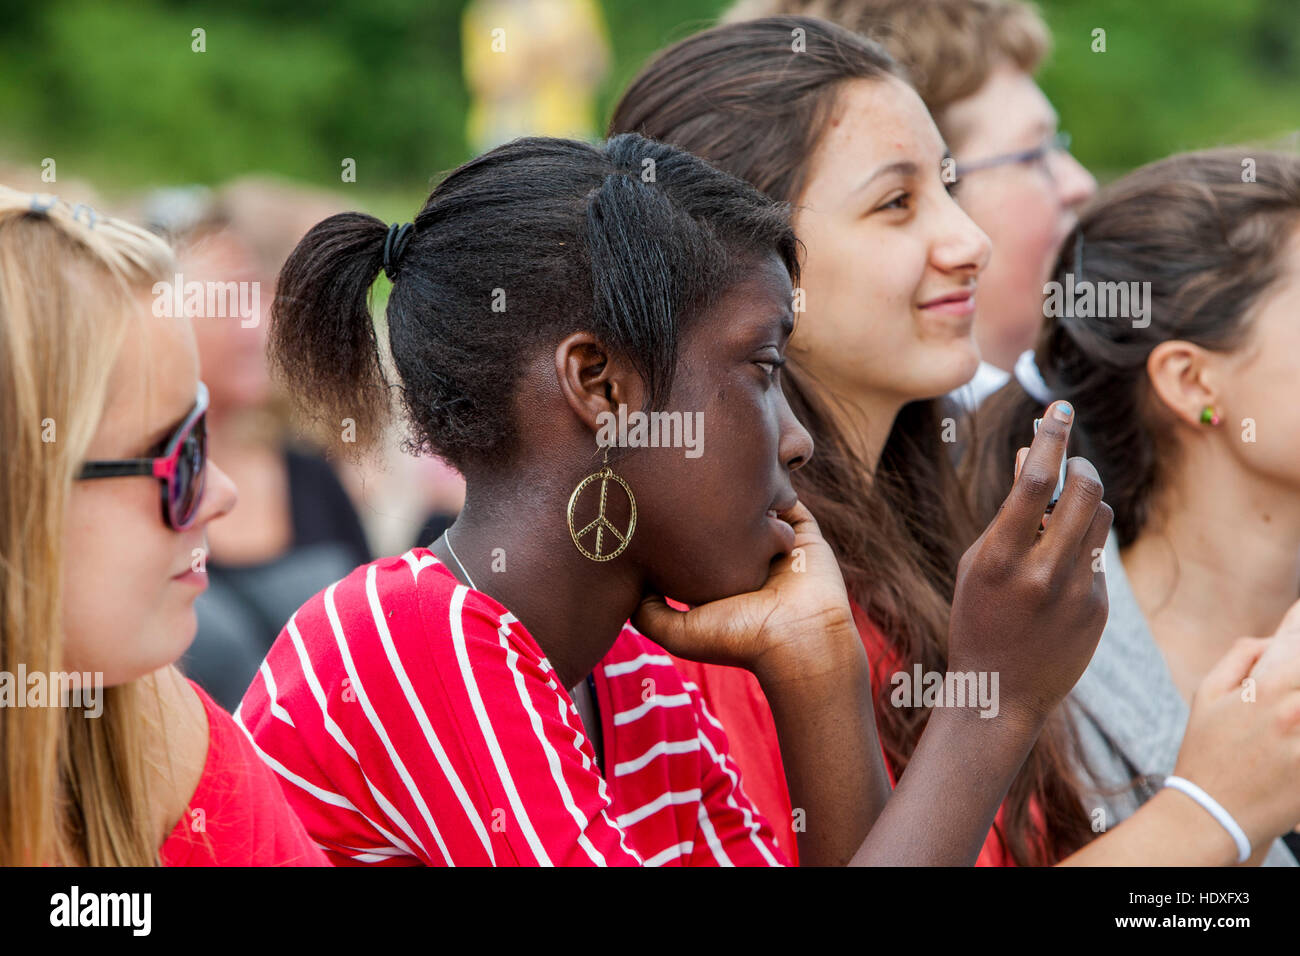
{"x":245,"y":606}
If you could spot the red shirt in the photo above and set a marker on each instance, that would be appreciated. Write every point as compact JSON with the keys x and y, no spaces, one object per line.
{"x":884,"y":664}
{"x":735,"y":696}
{"x":415,"y":721}
{"x":238,"y":815}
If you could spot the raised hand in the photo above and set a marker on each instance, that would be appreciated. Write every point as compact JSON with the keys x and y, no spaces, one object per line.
{"x":1030,"y":601}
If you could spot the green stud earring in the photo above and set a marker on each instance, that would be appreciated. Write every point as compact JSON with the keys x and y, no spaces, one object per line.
{"x":1209,"y":416}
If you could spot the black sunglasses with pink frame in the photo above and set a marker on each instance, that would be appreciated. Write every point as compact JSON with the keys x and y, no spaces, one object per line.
{"x":181,"y":468}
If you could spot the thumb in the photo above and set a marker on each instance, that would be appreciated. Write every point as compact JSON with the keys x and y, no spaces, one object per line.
{"x":1235,"y":666}
{"x":1290,"y":625}
{"x":659,"y":622}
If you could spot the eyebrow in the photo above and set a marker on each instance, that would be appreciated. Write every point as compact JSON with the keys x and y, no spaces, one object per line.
{"x":903,"y":167}
{"x":759,"y":333}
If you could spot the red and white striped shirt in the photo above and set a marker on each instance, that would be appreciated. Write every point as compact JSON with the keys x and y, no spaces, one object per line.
{"x":414,"y":720}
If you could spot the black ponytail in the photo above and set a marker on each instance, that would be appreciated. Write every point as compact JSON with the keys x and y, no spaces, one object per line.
{"x":322,"y":339}
{"x":512,"y":251}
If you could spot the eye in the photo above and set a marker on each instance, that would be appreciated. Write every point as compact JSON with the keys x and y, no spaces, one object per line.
{"x":895,"y":202}
{"x":771,"y":366}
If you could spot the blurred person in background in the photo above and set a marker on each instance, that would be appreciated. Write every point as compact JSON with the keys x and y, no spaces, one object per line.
{"x":973,"y":64}
{"x":296,"y":530}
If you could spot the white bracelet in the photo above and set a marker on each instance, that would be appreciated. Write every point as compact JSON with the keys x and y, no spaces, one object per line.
{"x":1214,"y":809}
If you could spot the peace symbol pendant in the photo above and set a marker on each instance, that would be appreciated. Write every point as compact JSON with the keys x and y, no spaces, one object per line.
{"x":597,"y":529}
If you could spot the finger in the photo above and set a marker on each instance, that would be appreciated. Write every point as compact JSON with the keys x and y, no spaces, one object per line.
{"x":1020,"y":461}
{"x":657,"y":621}
{"x":1073,"y":514}
{"x":1094,"y":541}
{"x":800,"y":518}
{"x":1290,"y":623}
{"x":1235,"y":666}
{"x":1282,"y":659}
{"x":1032,"y":491}
{"x":806,"y":531}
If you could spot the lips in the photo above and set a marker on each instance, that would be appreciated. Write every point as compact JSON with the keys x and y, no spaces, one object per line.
{"x":961,"y":295}
{"x":784,"y":532}
{"x":197,"y":544}
{"x":196,"y":579}
{"x":783,"y":504}
{"x":784,"y":529}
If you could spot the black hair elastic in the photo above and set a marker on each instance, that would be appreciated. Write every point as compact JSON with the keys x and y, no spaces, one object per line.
{"x":394,"y":245}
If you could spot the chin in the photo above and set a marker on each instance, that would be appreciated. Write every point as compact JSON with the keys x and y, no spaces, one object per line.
{"x":117,"y":672}
{"x":752,"y":575}
{"x":176,"y":636}
{"x":948,"y":370}
{"x":968,"y":364}
{"x":737,"y":581}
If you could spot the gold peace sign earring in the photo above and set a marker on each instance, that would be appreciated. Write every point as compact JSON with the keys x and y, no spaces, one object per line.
{"x":602,"y":524}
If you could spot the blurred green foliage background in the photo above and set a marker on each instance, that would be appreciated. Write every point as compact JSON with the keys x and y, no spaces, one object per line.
{"x":114,"y":92}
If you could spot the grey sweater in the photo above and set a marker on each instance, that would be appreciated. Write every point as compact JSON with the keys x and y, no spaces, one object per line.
{"x":1128,"y":713}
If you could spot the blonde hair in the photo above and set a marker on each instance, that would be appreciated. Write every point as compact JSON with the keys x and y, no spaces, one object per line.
{"x":948,"y":48}
{"x":73,"y":790}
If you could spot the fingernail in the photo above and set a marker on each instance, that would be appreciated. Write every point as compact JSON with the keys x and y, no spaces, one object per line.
{"x":1063,"y":412}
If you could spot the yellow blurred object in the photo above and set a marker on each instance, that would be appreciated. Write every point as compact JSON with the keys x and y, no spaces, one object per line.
{"x":532,"y":68}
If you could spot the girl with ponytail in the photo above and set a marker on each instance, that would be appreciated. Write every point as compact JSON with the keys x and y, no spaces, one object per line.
{"x":1187,"y":407}
{"x":485,"y":700}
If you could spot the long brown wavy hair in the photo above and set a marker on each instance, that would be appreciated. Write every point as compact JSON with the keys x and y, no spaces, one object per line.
{"x":742,"y":97}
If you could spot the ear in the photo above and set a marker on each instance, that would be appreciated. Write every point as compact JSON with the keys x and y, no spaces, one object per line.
{"x":594,"y":380}
{"x":1186,"y":378}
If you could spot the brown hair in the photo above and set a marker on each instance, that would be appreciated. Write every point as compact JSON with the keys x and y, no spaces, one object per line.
{"x":740,"y":97}
{"x":1210,"y":245}
{"x":948,"y":47}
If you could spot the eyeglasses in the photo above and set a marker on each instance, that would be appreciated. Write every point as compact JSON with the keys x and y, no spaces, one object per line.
{"x":1058,"y":143}
{"x":181,"y":468}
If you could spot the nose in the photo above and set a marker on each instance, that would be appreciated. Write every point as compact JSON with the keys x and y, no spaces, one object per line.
{"x":219,"y":495}
{"x":1074,"y":184}
{"x":796,"y":444}
{"x":959,"y":245}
